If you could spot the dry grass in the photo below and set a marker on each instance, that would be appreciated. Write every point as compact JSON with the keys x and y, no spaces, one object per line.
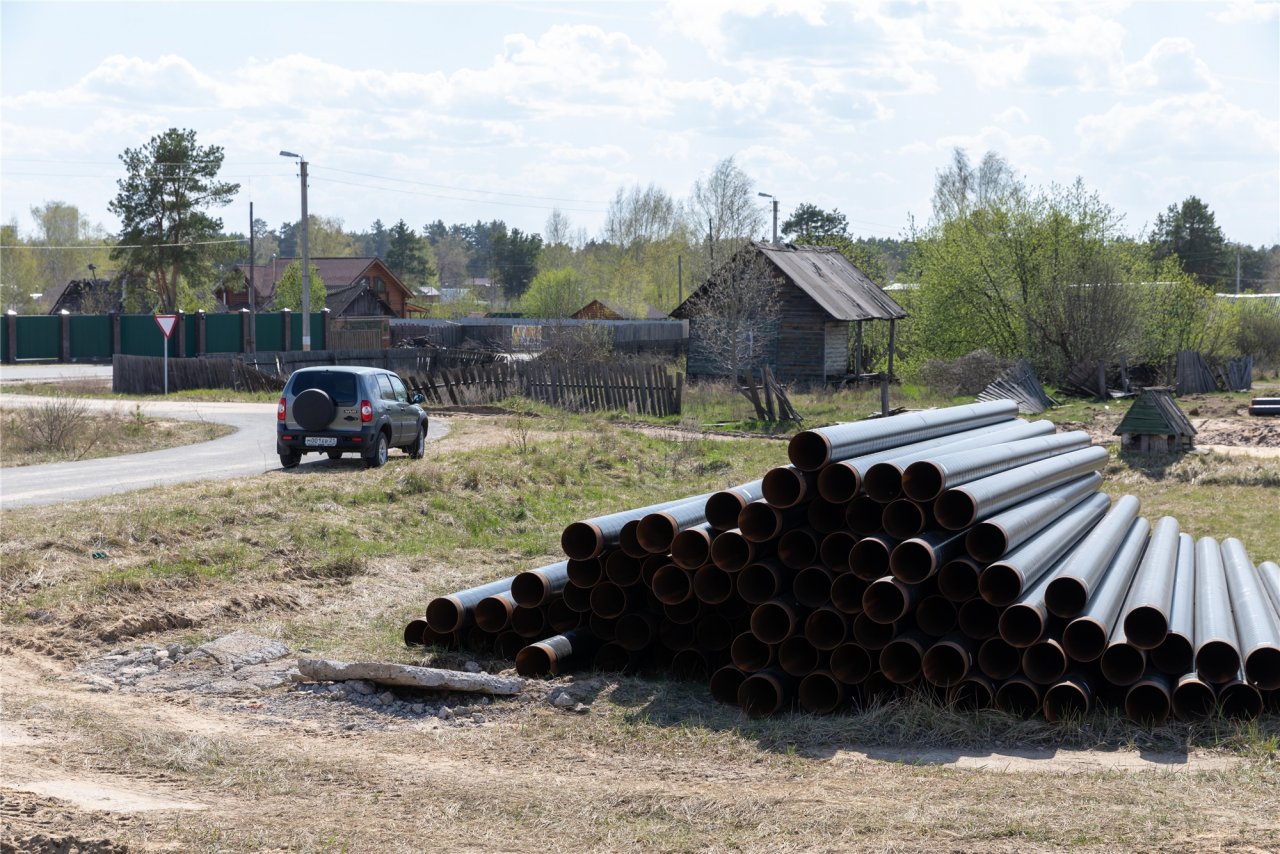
{"x":63,"y":430}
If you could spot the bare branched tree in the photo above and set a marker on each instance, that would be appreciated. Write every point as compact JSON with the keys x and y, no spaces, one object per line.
{"x":639,"y":216}
{"x":724,"y":207}
{"x":736,"y":313}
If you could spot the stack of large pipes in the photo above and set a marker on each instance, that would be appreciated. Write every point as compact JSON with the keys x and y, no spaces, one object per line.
{"x":960,"y":552}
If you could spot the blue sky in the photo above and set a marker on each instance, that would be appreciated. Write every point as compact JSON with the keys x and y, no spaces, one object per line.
{"x":466,"y":111}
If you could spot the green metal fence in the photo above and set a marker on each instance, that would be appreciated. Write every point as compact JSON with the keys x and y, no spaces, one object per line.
{"x":39,"y":337}
{"x":268,"y":335}
{"x":222,"y":333}
{"x":90,"y":336}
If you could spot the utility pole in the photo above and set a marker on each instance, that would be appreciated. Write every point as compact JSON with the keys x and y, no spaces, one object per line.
{"x":775,"y":212}
{"x":251,"y":284}
{"x":679,"y":279}
{"x":1237,"y":269}
{"x":306,"y":256}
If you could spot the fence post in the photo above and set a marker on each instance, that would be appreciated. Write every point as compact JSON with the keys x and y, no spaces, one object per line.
{"x":286,"y":324}
{"x":11,"y":336}
{"x":325,"y":315}
{"x":180,"y":340}
{"x":201,"y":339}
{"x":246,"y":331}
{"x":64,"y":336}
{"x":115,"y":333}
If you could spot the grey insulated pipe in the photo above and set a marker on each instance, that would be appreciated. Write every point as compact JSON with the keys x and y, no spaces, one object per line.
{"x":1085,"y":638}
{"x":551,"y":656}
{"x":1256,"y":623}
{"x":812,"y":449}
{"x":1070,"y":591}
{"x":1175,"y":655}
{"x":1217,"y":647}
{"x":493,"y":613}
{"x":977,"y":500}
{"x":535,"y":587}
{"x":1269,"y":573}
{"x":1026,"y":620}
{"x":658,"y":529}
{"x":452,"y":613}
{"x":787,"y":486}
{"x":993,"y":538}
{"x":589,"y":537}
{"x":926,"y":479}
{"x":724,"y":506}
{"x":1146,"y":611}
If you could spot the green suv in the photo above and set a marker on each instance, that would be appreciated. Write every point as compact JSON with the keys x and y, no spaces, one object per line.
{"x":337,"y":410}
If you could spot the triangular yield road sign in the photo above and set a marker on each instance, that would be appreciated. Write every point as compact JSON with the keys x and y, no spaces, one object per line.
{"x":166,"y":322}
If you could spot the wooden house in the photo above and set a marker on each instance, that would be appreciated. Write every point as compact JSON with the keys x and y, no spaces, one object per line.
{"x":1155,"y":424}
{"x":823,"y":301}
{"x":354,"y":287}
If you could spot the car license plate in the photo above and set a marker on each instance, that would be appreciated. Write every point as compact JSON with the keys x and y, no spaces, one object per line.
{"x":322,"y":441}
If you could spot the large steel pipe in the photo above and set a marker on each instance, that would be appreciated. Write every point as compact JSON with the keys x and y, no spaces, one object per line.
{"x":776,"y":620}
{"x":560,"y":617}
{"x":1238,"y":699}
{"x":659,"y":528}
{"x":888,"y":600}
{"x":1004,"y":581}
{"x":1069,"y":592}
{"x":870,"y":634}
{"x":535,"y":587}
{"x":725,"y":683}
{"x":760,"y":522}
{"x":903,"y":518}
{"x":1146,"y":611}
{"x":731,"y":551}
{"x":712,"y":585}
{"x":797,"y":657}
{"x":847,"y":591}
{"x":835,"y":549}
{"x":629,"y":539}
{"x":724,"y":506}
{"x":999,"y":659}
{"x":586,"y":573}
{"x":926,"y":479}
{"x":1085,"y":637}
{"x":672,"y":584}
{"x":691,"y":548}
{"x":812,"y":449}
{"x":636,"y":630}
{"x":1122,"y":663}
{"x":577,"y":598}
{"x":827,"y":628}
{"x":918,"y":558}
{"x":1149,"y":699}
{"x":948,"y":661}
{"x":995,"y":537}
{"x":1193,"y":698}
{"x":936,"y":615}
{"x":978,"y":619}
{"x":1269,"y":574}
{"x":623,"y":569}
{"x":863,"y":515}
{"x":529,"y":622}
{"x":1217,"y":646}
{"x":840,"y":482}
{"x":850,"y":663}
{"x":972,"y":693}
{"x":821,"y":693}
{"x":452,"y":613}
{"x":1176,"y":653}
{"x":902,"y":658}
{"x":1025,"y":621}
{"x":765,"y":693}
{"x":787,"y":486}
{"x":824,"y":516}
{"x":750,"y":654}
{"x":611,"y":601}
{"x":799,"y":547}
{"x":958,"y":579}
{"x":493,"y":613}
{"x":1256,"y":625}
{"x":977,"y":500}
{"x":762,"y":581}
{"x":869,"y":557}
{"x":555,"y":654}
{"x":589,"y":537}
{"x":1068,"y":699}
{"x":1019,"y":696}
{"x":811,"y":586}
{"x":1045,"y":661}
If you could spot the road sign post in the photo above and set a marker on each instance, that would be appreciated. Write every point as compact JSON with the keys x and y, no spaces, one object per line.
{"x":166,"y":323}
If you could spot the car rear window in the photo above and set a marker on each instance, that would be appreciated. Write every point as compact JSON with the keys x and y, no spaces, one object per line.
{"x":339,"y":386}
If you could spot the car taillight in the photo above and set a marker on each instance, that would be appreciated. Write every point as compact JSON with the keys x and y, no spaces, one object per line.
{"x":280,"y":410}
{"x":366,"y":411}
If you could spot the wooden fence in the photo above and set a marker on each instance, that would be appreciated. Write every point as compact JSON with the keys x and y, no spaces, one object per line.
{"x":643,"y":389}
{"x":145,"y":375}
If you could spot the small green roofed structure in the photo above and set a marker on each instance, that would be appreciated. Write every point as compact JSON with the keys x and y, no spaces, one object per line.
{"x":1155,"y":424}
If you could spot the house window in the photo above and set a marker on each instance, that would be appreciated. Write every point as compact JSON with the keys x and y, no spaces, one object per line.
{"x":379,"y":285}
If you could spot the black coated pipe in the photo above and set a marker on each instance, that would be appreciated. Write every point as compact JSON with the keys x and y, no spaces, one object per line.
{"x":1068,"y":699}
{"x":725,"y":683}
{"x":1175,"y":655}
{"x":636,"y":630}
{"x":850,"y":663}
{"x":1005,"y":581}
{"x":827,"y":628}
{"x":1269,"y":575}
{"x":798,"y":548}
{"x":672,"y":584}
{"x":765,"y":693}
{"x":1149,"y":699}
{"x":605,"y":628}
{"x":901,"y":659}
{"x":993,"y":538}
{"x":958,"y":579}
{"x":869,"y":557}
{"x":493,"y":613}
{"x":723,"y":507}
{"x":750,"y":654}
{"x":876,"y":688}
{"x":863,"y":515}
{"x":535,"y":587}
{"x":413,"y":633}
{"x":972,"y":693}
{"x":1045,"y":661}
{"x":1193,"y":698}
{"x":577,"y":598}
{"x":980,"y":499}
{"x":847,"y":591}
{"x":776,"y":620}
{"x":561,"y":618}
{"x":947,"y":662}
{"x":797,"y":657}
{"x":589,"y":537}
{"x":760,"y":522}
{"x":1019,"y":696}
{"x":612,"y":657}
{"x":835,"y":549}
{"x":555,"y":654}
{"x":811,"y":586}
{"x":903,"y":518}
{"x":762,"y":581}
{"x":691,"y":548}
{"x":714,"y":632}
{"x":1257,"y":628}
{"x":623,"y":569}
{"x":936,"y":615}
{"x":1217,"y":646}
{"x":611,"y":600}
{"x":979,"y":619}
{"x":999,"y":659}
{"x":731,"y":551}
{"x":712,"y":585}
{"x":529,"y":622}
{"x":1122,"y":663}
{"x":821,"y":693}
{"x":629,"y":539}
{"x":812,"y":449}
{"x":1085,"y":637}
{"x":585,"y":573}
{"x":1240,"y":700}
{"x":825,"y":516}
{"x":1145,"y":616}
{"x":452,"y":613}
{"x":1069,"y":593}
{"x":870,"y":634}
{"x":888,"y":600}
{"x":926,"y":479}
{"x":683,"y":612}
{"x":659,"y":528}
{"x":507,"y":644}
{"x":918,"y":558}
{"x":787,"y":486}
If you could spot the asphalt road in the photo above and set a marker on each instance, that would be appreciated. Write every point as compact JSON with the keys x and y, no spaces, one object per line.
{"x":250,"y":450}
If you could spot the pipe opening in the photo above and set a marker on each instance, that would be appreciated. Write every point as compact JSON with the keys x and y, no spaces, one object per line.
{"x":609,"y":600}
{"x":885,"y":600}
{"x":839,"y":483}
{"x":1000,"y":584}
{"x":1193,"y":700}
{"x":731,"y":551}
{"x":825,"y":516}
{"x":870,"y":634}
{"x":955,"y":509}
{"x":1084,"y":639}
{"x":1262,"y":666}
{"x":749,"y":653}
{"x":958,"y":579}
{"x":1240,"y":701}
{"x":635,"y":631}
{"x":820,"y":693}
{"x":577,"y":598}
{"x":759,"y":582}
{"x":912,"y":561}
{"x":445,"y":614}
{"x":528,"y":622}
{"x":883,"y":482}
{"x":1148,"y":704}
{"x":493,"y":613}
{"x":826,"y":628}
{"x":683,"y":612}
{"x":1021,"y":625}
{"x":922,"y":481}
{"x":723,"y":508}
{"x":784,"y":487}
{"x":629,"y":541}
{"x":936,"y":615}
{"x":1174,"y":656}
{"x":945,"y":665}
{"x":725,"y":683}
{"x":971,"y":695}
{"x":1044,"y":662}
{"x":561,"y":618}
{"x":759,"y":523}
{"x":1064,"y":701}
{"x":863,"y":515}
{"x":812,"y":586}
{"x":656,"y":531}
{"x":847,"y":591}
{"x":1018,"y":697}
{"x":584,"y":573}
{"x":986,"y":542}
{"x":413,"y":633}
{"x":760,"y":695}
{"x":1123,"y":664}
{"x":622,"y":569}
{"x":1216,"y":661}
{"x":713,"y":633}
{"x":581,"y":540}
{"x":672,"y":585}
{"x":798,"y":657}
{"x":809,"y":450}
{"x":797,"y":548}
{"x":998,"y":658}
{"x":712,"y":585}
{"x":1146,"y":627}
{"x":900,"y":661}
{"x":535,"y":660}
{"x":691,"y":549}
{"x":508,"y":644}
{"x":529,"y":589}
{"x":978,"y":619}
{"x":903,"y":518}
{"x":1066,"y":597}
{"x":689,"y":665}
{"x":836,"y":548}
{"x":850,"y":663}
{"x":773,"y":622}
{"x":869,"y":558}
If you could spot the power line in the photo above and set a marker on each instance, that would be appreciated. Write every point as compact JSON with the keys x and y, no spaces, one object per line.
{"x":135,"y":245}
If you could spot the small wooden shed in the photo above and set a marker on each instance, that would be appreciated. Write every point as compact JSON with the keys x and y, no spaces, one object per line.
{"x":1154,"y":424}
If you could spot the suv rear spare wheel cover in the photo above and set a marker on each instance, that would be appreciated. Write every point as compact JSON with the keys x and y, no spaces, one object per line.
{"x":313,"y":409}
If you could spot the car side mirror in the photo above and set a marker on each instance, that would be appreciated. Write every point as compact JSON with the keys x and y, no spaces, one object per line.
{"x":417,"y":398}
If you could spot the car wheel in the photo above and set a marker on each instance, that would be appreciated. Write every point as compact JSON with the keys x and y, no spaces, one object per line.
{"x":313,"y":409}
{"x":334,"y":455}
{"x":290,"y":459}
{"x":378,"y":453}
{"x":419,"y":447}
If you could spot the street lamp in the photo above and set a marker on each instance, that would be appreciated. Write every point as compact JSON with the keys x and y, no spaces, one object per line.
{"x":775,"y":213}
{"x":306,"y":256}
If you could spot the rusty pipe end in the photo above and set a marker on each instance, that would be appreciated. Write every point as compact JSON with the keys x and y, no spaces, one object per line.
{"x":536,"y":659}
{"x":1148,"y":702}
{"x":722,"y":509}
{"x":998,"y":658}
{"x":913,"y":561}
{"x":839,"y":482}
{"x":656,"y":531}
{"x":904,"y":518}
{"x":731,"y":551}
{"x":958,"y":579}
{"x":725,"y":683}
{"x":1123,"y":664}
{"x":712,"y":585}
{"x":672,"y":584}
{"x":972,"y":693}
{"x":809,"y":450}
{"x":1000,"y":584}
{"x":869,"y":558}
{"x":493,"y":613}
{"x":1084,"y":639}
{"x":1262,"y":666}
{"x":761,"y":694}
{"x":691,"y":548}
{"x":1217,"y":661}
{"x":846,"y":593}
{"x":883,"y":482}
{"x":946,"y":664}
{"x":986,"y":541}
{"x":750,"y":654}
{"x":850,"y":663}
{"x":1240,"y":700}
{"x":821,"y":693}
{"x":582,"y":540}
{"x":1066,"y":596}
{"x":1193,"y":698}
{"x":629,"y":539}
{"x":413,"y":633}
{"x":901,"y":660}
{"x":773,"y":622}
{"x":978,"y":619}
{"x":446,"y":614}
{"x":784,"y":487}
{"x":923,"y":481}
{"x":1175,"y":655}
{"x":886,"y":600}
{"x":826,"y":628}
{"x":1146,"y":626}
{"x":1018,"y":696}
{"x":1044,"y":662}
{"x":955,"y":509}
{"x":863,"y":515}
{"x":1069,"y":699}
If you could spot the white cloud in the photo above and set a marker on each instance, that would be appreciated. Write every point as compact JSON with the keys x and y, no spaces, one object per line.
{"x":1013,"y":116}
{"x":1023,"y":151}
{"x":1171,"y":65}
{"x":1193,"y":127}
{"x":1248,"y":11}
